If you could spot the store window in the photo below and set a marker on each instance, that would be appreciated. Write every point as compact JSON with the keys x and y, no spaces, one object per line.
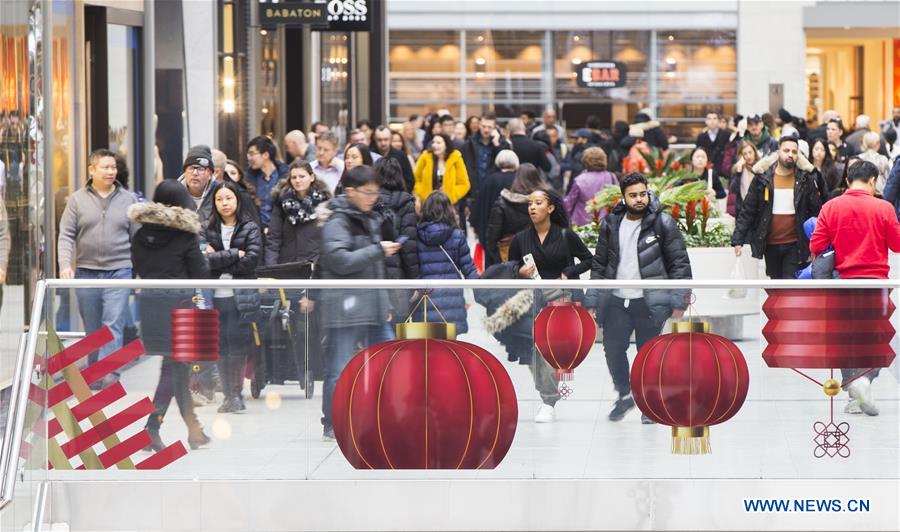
{"x":335,"y":81}
{"x":424,"y":72}
{"x":696,"y":73}
{"x":504,"y":69}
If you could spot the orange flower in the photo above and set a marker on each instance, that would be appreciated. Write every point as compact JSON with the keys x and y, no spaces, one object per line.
{"x":675,"y":211}
{"x":691,"y":210}
{"x":676,"y":165}
{"x":704,"y":207}
{"x":659,"y":165}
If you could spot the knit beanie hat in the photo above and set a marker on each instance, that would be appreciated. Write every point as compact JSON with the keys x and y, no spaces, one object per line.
{"x":200,"y":155}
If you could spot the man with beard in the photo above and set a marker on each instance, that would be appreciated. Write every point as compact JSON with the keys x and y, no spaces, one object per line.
{"x":381,"y":146}
{"x":781,"y":197}
{"x":637,"y":240}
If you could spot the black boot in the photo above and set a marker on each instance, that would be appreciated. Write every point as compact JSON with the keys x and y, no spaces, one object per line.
{"x":156,"y":443}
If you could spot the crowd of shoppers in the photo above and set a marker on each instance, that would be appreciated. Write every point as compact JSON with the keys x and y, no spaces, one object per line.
{"x":408,"y":202}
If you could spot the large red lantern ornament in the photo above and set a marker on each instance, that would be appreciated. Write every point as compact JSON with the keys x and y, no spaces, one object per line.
{"x":826,"y":329}
{"x":564,"y":333}
{"x":424,"y":401}
{"x":689,"y":380}
{"x":195,"y":335}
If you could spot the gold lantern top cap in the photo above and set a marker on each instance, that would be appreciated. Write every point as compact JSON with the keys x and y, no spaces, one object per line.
{"x":418,"y":330}
{"x":690,"y":327}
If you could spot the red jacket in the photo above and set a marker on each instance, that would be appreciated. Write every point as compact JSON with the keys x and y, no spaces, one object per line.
{"x":862,"y":228}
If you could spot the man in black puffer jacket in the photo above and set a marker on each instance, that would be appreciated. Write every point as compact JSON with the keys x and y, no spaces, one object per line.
{"x":636,"y":241}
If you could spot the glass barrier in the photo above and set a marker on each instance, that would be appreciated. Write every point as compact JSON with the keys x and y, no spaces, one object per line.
{"x":527,"y":386}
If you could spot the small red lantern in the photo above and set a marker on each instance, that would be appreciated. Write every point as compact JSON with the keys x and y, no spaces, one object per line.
{"x":424,"y":401}
{"x":829,"y":328}
{"x":689,"y":380}
{"x":564,"y":333}
{"x":195,"y":335}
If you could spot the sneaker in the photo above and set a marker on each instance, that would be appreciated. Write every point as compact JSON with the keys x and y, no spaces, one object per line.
{"x":646,"y":420}
{"x":328,"y":434}
{"x":852,"y":407}
{"x":861,"y":391}
{"x":623,"y":405}
{"x":545,"y":414}
{"x":199,"y":399}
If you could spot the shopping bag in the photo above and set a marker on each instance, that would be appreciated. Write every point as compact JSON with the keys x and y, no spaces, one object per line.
{"x":737,"y":274}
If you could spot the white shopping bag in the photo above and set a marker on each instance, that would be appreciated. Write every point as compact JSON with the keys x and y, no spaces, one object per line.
{"x":737,"y":274}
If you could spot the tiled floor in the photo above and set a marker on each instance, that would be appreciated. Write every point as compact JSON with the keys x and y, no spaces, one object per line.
{"x":279,"y":436}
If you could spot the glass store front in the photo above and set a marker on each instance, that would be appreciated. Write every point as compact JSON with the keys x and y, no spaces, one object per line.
{"x":680,"y":75}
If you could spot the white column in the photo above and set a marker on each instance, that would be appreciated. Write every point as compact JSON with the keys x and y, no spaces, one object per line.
{"x":200,"y":52}
{"x":771,"y":48}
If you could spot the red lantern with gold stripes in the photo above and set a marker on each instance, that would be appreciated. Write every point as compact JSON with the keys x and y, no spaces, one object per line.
{"x":424,"y":401}
{"x":564,"y":333}
{"x":195,"y":335}
{"x":689,"y":380}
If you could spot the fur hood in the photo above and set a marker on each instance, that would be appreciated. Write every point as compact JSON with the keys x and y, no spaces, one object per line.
{"x":159,"y":214}
{"x":637,"y":130}
{"x":765,"y":163}
{"x":513,"y":197}
{"x":509,"y":312}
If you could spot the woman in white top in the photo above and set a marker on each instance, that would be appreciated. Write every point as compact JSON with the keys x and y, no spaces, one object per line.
{"x":871,"y":143}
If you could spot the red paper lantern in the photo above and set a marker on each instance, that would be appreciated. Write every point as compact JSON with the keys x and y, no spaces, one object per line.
{"x":689,"y":380}
{"x":424,"y":401}
{"x":564,"y":333}
{"x":195,"y":335}
{"x":828,"y":328}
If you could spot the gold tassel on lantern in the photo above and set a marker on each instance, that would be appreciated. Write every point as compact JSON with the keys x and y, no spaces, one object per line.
{"x":690,"y":440}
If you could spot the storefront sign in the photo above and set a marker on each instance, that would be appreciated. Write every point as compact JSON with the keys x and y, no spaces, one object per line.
{"x":600,"y":74}
{"x":349,"y":15}
{"x":292,"y":14}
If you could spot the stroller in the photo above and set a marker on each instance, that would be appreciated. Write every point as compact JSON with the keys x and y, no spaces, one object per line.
{"x":290,"y":346}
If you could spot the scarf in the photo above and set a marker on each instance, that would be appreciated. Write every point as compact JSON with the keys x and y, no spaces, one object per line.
{"x":302,"y":210}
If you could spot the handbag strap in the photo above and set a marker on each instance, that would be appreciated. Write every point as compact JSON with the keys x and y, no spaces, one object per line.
{"x":452,"y":263}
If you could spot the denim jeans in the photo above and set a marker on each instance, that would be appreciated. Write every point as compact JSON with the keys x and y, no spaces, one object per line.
{"x":103,"y":307}
{"x":619,"y":322}
{"x":341,"y":346}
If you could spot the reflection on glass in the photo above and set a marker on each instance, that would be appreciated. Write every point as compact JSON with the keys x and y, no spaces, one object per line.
{"x":335,"y":81}
{"x":121,"y":50}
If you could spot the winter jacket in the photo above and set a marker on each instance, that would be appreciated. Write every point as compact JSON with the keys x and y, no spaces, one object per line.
{"x":480,"y":210}
{"x":204,"y":211}
{"x":247,"y":237}
{"x":765,"y":144}
{"x":661,"y":255}
{"x":752,"y":225}
{"x":409,"y":180}
{"x":508,"y":217}
{"x":892,"y":187}
{"x":470,"y":158}
{"x":294,"y":234}
{"x":264,"y":188}
{"x":438,"y":245}
{"x":510,"y":312}
{"x":862,"y":228}
{"x":351,"y":249}
{"x":402,"y":219}
{"x":715,"y":149}
{"x":456,"y":178}
{"x":583,"y":190}
{"x":166,"y":246}
{"x":98,"y":237}
{"x":530,"y":151}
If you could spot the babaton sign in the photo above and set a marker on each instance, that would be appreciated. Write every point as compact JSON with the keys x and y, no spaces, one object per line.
{"x":600,"y":74}
{"x":333,"y":15}
{"x":292,"y":14}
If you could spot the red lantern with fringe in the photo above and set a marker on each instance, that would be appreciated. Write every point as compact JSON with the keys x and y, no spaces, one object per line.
{"x":564,"y":333}
{"x":689,"y":380}
{"x":424,"y":401}
{"x":195,"y":335}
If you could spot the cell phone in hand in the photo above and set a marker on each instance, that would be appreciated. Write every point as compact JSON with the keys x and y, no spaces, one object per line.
{"x":529,"y":261}
{"x":401,"y":239}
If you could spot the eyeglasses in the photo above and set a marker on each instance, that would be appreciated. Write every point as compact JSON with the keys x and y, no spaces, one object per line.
{"x":366,"y":193}
{"x":195,"y":169}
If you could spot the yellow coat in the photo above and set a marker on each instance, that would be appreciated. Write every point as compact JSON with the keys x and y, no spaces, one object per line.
{"x":456,"y":178}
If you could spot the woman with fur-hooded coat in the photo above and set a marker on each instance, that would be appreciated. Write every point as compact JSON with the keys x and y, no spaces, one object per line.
{"x":167,"y":247}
